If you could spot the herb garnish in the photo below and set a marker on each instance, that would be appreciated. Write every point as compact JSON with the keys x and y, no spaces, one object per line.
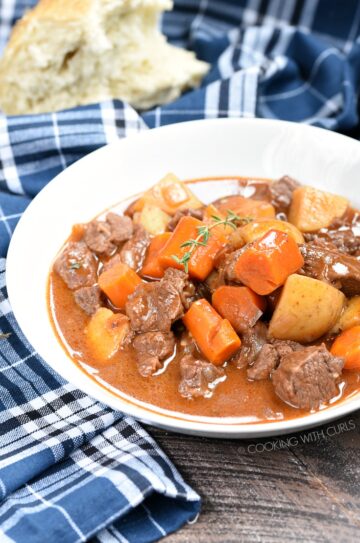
{"x":5,"y":336}
{"x":204,"y":231}
{"x":75,"y":265}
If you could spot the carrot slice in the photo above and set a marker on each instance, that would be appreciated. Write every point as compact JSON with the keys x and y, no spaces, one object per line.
{"x":266,"y":263}
{"x":202,"y":259}
{"x":118,"y":282}
{"x":152,"y":266}
{"x":215,"y":336}
{"x":347,"y":345}
{"x":246,"y":207}
{"x":239,"y":305}
{"x":222,"y":231}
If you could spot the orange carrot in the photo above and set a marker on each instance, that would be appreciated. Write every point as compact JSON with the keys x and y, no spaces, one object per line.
{"x":215,"y":336}
{"x":152,"y":266}
{"x":266,"y":263}
{"x":239,"y":305}
{"x":186,"y":229}
{"x":246,"y":207}
{"x":347,"y":345}
{"x":222,"y":231}
{"x":118,"y":282}
{"x":77,"y":232}
{"x":135,"y":207}
{"x":202,"y":259}
{"x":209,"y":213}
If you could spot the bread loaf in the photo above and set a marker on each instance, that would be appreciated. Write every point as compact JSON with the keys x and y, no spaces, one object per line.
{"x":65,"y":53}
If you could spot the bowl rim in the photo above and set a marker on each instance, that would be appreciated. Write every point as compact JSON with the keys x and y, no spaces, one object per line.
{"x":213,"y":427}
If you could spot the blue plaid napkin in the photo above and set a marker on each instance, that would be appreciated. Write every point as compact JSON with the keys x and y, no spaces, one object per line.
{"x":70,"y":468}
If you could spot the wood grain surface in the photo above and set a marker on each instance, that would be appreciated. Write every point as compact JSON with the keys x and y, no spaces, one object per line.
{"x":303,"y":487}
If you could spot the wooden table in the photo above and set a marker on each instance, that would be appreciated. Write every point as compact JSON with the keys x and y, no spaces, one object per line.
{"x":303,"y":489}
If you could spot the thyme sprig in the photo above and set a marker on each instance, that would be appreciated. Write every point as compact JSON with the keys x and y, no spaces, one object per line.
{"x":204,"y":232}
{"x":75,"y":265}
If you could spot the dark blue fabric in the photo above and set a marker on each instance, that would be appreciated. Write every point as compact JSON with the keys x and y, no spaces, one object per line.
{"x":71,"y":468}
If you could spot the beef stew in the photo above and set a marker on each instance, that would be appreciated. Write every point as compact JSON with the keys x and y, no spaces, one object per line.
{"x":245,"y":307}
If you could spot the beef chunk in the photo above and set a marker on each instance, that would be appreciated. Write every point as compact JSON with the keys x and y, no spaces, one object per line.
{"x":151,"y":349}
{"x":343,"y":233}
{"x":307,"y":378}
{"x":111,"y":262}
{"x":102,"y":237}
{"x":181,"y":282}
{"x":253,"y":341}
{"x":225,"y":265}
{"x":147,"y":364}
{"x":198,"y":377}
{"x":98,"y":237}
{"x":121,"y":227}
{"x":196,"y":213}
{"x":269,"y":358}
{"x":281,"y":193}
{"x":159,"y":344}
{"x":134,"y":251}
{"x":76,"y":265}
{"x":325,"y":262}
{"x":215,"y":280}
{"x":88,"y":298}
{"x":265,"y":363}
{"x":255,"y":189}
{"x":154,"y":306}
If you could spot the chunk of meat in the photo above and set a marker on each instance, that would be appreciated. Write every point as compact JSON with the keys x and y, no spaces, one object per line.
{"x":88,"y":298}
{"x":265,"y":363}
{"x":154,"y":306}
{"x":215,"y":280}
{"x":198,"y":377}
{"x":325,"y":262}
{"x":184,"y":286}
{"x":307,"y":378}
{"x":196,"y":213}
{"x":344,"y":233}
{"x":253,"y":341}
{"x":102,"y":237}
{"x":225,"y":265}
{"x":98,"y":237}
{"x":151,"y":349}
{"x":134,"y":251}
{"x":147,"y":364}
{"x":269,"y":358}
{"x":281,"y":193}
{"x":111,"y":262}
{"x":76,"y":265}
{"x":122,"y":227}
{"x":255,"y":189}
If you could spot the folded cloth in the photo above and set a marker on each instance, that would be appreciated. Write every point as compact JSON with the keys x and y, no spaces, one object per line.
{"x":70,"y":468}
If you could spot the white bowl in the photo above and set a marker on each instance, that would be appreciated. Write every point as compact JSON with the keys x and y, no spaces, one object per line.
{"x":258,"y":148}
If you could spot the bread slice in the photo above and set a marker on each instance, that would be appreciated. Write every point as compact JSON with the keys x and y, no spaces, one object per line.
{"x":65,"y":53}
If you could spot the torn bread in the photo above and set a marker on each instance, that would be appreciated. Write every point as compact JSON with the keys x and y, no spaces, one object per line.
{"x":65,"y":53}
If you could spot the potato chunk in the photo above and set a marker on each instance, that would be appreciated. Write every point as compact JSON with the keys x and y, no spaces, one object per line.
{"x":171,"y":195}
{"x":350,"y":316}
{"x":312,"y":209}
{"x":258,"y":228}
{"x":106,"y":332}
{"x":153,"y":219}
{"x":306,"y":310}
